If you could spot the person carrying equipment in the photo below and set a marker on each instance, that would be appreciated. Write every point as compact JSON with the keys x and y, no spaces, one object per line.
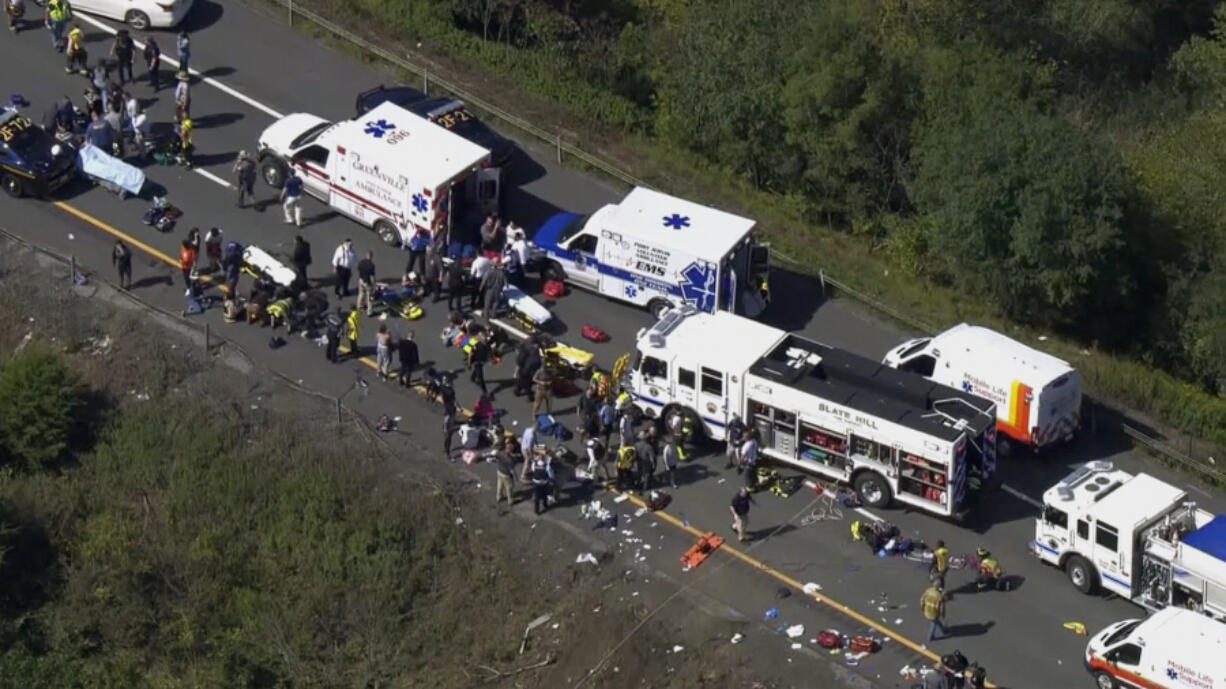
{"x":991,"y":576}
{"x":16,"y":10}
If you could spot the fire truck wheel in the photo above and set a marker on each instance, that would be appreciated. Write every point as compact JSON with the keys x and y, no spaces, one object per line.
{"x":1004,"y":446}
{"x":872,"y":489}
{"x":1081,"y":574}
{"x":1104,"y":681}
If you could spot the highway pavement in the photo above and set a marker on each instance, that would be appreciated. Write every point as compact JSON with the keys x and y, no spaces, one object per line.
{"x":252,"y":67}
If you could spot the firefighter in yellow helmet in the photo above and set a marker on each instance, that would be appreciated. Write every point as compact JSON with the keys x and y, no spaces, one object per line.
{"x":351,"y":325}
{"x":185,"y":141}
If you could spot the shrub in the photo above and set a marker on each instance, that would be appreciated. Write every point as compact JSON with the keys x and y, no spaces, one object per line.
{"x":42,"y":402}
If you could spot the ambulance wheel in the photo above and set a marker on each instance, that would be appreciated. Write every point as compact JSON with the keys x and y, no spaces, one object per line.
{"x":658,"y":307}
{"x":872,"y":489}
{"x":137,"y":20}
{"x":12,"y":186}
{"x":387,"y":232}
{"x":1104,"y":681}
{"x":1081,"y":574}
{"x":273,"y":171}
{"x":552,"y":270}
{"x":1004,"y":446}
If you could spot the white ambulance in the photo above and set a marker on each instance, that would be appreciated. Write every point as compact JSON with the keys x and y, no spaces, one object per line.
{"x":1171,"y":649}
{"x":1037,"y":396}
{"x":390,"y":170}
{"x":659,"y":251}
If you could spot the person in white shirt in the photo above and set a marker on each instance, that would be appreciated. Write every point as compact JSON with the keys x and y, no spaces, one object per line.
{"x":480,"y":268}
{"x":527,"y":445}
{"x":342,"y":265}
{"x":140,"y":130}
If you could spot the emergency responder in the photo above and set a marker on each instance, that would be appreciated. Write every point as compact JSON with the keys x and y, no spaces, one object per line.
{"x":991,"y":576}
{"x":542,"y":392}
{"x":478,"y":356}
{"x":244,"y":174}
{"x":932,"y":603}
{"x":732,"y":438}
{"x":153,"y":58}
{"x":58,"y":14}
{"x":185,"y":142}
{"x":542,"y":478}
{"x":625,"y":467}
{"x":588,"y":408}
{"x":183,"y":97}
{"x":492,"y":286}
{"x":352,"y":323}
{"x":75,"y":51}
{"x":940,"y":564}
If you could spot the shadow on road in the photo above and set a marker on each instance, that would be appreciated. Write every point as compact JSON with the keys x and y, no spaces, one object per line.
{"x":204,"y":14}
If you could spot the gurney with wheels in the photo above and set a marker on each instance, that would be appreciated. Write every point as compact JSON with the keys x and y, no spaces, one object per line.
{"x":110,"y":172}
{"x":526,"y":311}
{"x":260,"y":264}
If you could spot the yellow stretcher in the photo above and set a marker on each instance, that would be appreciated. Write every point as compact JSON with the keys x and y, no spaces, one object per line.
{"x":577,"y":360}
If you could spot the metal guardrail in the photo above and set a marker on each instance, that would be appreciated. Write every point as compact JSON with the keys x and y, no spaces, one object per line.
{"x":1207,"y":468}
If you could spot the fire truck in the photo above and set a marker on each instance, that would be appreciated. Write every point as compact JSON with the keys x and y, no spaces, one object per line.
{"x":1135,"y":536}
{"x":894,"y":436}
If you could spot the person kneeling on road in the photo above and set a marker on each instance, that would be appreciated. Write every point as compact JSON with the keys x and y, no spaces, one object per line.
{"x":991,"y":576}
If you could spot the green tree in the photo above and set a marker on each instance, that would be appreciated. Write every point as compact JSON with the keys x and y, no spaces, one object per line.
{"x":718,"y":84}
{"x":1018,"y":202}
{"x":42,"y":405}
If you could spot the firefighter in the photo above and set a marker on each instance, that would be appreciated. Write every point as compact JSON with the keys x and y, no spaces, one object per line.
{"x":991,"y":576}
{"x":627,"y":457}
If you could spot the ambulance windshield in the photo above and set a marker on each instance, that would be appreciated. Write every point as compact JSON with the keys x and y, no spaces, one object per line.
{"x":309,"y":135}
{"x":1120,"y":634}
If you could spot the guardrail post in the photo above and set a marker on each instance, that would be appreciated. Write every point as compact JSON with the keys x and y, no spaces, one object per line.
{"x":821,"y":275}
{"x":72,"y":269}
{"x":290,"y":5}
{"x":339,"y":419}
{"x":559,"y":143}
{"x":206,"y":338}
{"x":425,"y":81}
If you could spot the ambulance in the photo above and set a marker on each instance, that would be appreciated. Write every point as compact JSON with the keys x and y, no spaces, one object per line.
{"x":658,"y":251}
{"x":391,"y":170}
{"x":1171,"y":649}
{"x":1037,"y":396}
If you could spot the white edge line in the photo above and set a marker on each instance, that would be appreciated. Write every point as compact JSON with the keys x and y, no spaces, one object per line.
{"x":1020,"y":495}
{"x":211,"y":177}
{"x":175,"y":63}
{"x":860,"y":510}
{"x":1202,"y":491}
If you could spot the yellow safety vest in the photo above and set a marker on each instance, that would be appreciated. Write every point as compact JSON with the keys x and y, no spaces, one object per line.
{"x":57,"y":10}
{"x":623,"y":400}
{"x":352,"y":322}
{"x":185,"y":131}
{"x":279,"y":309}
{"x":942,"y":559}
{"x":990,"y":566}
{"x":625,"y":457}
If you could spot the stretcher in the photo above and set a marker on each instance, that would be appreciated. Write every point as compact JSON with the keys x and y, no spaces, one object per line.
{"x":259,"y":263}
{"x":527,"y":311}
{"x":563,"y":359}
{"x":110,"y":172}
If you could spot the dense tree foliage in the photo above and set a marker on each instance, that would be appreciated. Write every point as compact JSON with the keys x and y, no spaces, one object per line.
{"x":42,"y":407}
{"x":1060,"y":158}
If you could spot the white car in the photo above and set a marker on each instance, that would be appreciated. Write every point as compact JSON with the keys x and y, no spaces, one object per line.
{"x":138,"y":14}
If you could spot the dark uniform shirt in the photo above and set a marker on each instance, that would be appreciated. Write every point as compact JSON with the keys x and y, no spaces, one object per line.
{"x":366,"y":270}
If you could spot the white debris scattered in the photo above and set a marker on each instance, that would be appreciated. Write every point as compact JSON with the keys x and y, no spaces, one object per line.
{"x":678,"y":649}
{"x":897,"y":620}
{"x":812,"y":588}
{"x":71,"y":236}
{"x":586,"y":557}
{"x":736,"y":638}
{"x":796,"y":631}
{"x":796,"y":647}
{"x":640,"y":511}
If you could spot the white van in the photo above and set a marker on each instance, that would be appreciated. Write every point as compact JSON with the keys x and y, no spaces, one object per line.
{"x":1037,"y":396}
{"x":1172,"y":649}
{"x":659,"y":251}
{"x":390,"y":170}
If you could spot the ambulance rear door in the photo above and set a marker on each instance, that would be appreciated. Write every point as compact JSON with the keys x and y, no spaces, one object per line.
{"x":489,"y":190}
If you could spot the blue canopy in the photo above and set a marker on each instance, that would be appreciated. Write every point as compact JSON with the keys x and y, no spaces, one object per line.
{"x":1210,"y":538}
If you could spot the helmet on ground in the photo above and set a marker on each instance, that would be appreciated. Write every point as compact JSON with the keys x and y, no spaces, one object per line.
{"x":983,"y":552}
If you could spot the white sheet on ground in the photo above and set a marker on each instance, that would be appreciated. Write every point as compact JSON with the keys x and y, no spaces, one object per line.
{"x":97,"y":163}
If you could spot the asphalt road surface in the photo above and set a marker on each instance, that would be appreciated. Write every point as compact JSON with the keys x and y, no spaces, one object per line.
{"x":253,"y":67}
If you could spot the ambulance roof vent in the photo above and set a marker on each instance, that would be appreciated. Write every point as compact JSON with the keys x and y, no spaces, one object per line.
{"x":799,"y":357}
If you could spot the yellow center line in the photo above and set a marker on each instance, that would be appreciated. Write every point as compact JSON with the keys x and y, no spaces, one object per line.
{"x":637,"y":501}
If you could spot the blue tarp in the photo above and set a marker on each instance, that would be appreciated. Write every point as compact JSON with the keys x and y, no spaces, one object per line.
{"x":97,"y":164}
{"x":1210,"y":538}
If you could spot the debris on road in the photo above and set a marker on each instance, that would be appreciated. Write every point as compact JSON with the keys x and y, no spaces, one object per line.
{"x":701,"y":551}
{"x":1076,"y":627}
{"x":796,"y":631}
{"x":585,"y":557}
{"x":771,"y":614}
{"x":737,"y":638}
{"x":528,"y":630}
